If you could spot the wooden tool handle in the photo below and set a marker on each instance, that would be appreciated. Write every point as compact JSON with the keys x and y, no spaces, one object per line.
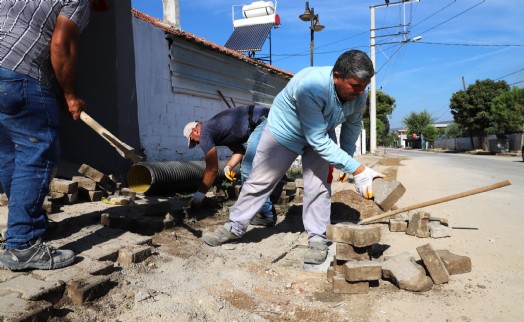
{"x":436,"y":201}
{"x":122,"y":148}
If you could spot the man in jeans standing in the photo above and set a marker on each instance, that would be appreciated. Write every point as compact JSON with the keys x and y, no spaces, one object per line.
{"x":37,"y":40}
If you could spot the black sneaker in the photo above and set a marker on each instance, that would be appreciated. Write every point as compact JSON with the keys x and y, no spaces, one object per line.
{"x":261,"y":220}
{"x":37,"y":256}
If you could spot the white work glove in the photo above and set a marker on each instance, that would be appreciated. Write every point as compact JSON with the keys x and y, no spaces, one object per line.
{"x":229,"y":173}
{"x":197,"y":199}
{"x":364,"y":182}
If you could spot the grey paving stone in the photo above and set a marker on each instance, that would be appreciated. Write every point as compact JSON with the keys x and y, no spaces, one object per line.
{"x":14,"y":308}
{"x":33,"y":289}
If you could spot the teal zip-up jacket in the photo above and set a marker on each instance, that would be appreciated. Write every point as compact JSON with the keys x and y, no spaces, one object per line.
{"x":307,"y":111}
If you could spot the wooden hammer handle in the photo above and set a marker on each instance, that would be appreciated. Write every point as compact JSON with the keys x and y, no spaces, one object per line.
{"x":123,"y":149}
{"x":436,"y":201}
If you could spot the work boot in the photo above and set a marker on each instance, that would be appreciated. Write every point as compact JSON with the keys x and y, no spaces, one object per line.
{"x":317,"y":252}
{"x":37,"y":256}
{"x":261,"y":220}
{"x":220,"y":236}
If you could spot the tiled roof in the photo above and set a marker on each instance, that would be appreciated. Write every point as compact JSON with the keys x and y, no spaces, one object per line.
{"x":208,"y":44}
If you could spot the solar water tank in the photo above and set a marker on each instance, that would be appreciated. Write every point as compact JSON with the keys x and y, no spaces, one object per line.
{"x":258,"y":9}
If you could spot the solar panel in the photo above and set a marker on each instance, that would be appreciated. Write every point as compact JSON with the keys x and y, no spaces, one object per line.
{"x":249,"y":38}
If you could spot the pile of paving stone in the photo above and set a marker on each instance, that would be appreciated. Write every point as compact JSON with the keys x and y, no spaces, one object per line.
{"x":356,"y":266}
{"x":90,"y":185}
{"x":422,"y":225}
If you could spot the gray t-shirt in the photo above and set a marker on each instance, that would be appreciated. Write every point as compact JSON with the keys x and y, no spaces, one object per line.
{"x":26,"y":28}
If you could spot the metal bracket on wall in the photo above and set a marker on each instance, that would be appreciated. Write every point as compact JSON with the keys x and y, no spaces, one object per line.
{"x":225,"y":101}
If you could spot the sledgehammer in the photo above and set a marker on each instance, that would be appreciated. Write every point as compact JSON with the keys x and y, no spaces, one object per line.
{"x":123,"y":149}
{"x":435,"y":201}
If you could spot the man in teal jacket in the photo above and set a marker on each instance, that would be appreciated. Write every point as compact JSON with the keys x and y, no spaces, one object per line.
{"x":302,"y":121}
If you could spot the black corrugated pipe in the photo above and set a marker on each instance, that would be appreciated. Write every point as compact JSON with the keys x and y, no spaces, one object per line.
{"x":170,"y":176}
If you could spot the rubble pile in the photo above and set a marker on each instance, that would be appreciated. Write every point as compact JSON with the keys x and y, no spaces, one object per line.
{"x":354,"y":269}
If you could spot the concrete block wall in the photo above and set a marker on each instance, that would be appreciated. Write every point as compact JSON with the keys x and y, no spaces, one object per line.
{"x":178,"y":82}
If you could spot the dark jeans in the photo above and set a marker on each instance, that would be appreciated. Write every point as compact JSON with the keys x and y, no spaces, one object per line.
{"x":29,"y":150}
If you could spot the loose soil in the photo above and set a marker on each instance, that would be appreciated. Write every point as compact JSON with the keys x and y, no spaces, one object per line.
{"x":259,"y":278}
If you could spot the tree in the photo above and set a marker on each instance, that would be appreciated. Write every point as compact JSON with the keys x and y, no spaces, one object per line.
{"x":453,"y":130}
{"x":430,"y":133}
{"x":385,"y":106}
{"x":508,"y":112}
{"x":415,"y":122}
{"x":471,"y":109}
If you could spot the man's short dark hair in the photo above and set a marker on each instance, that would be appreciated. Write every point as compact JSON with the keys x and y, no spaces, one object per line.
{"x":354,"y":64}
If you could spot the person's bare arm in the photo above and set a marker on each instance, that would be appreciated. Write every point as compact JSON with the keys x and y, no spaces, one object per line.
{"x":211,"y":171}
{"x":235,"y":159}
{"x":64,"y":61}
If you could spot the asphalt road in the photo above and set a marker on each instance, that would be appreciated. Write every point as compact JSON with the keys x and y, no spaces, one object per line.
{"x":487,"y":226}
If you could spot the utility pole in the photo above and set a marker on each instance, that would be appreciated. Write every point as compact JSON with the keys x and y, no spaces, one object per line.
{"x":373,"y":83}
{"x":464,"y":83}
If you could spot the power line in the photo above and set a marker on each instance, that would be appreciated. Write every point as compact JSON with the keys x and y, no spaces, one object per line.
{"x":469,"y":45}
{"x":522,"y":81}
{"x":509,"y":74}
{"x":433,"y":14}
{"x":460,"y":13}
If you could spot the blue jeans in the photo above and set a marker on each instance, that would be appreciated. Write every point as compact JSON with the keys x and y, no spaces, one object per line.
{"x":247,"y":165}
{"x":29,"y":151}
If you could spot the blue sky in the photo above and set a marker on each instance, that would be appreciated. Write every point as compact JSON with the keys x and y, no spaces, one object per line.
{"x":474,"y":39}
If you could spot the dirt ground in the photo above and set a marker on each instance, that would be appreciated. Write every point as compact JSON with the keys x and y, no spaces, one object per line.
{"x":260,"y":278}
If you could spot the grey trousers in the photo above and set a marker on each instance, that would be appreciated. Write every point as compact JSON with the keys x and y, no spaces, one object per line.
{"x":271,"y":162}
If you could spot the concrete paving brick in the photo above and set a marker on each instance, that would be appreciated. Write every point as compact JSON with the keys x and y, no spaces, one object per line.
{"x":88,"y":288}
{"x":135,"y":239}
{"x":341,"y":286}
{"x":64,"y":198}
{"x":103,"y":181}
{"x":338,"y":265}
{"x":33,"y":289}
{"x":62,"y":185}
{"x":398,"y":225}
{"x":435,"y":266}
{"x":101,"y":254}
{"x":359,"y":271}
{"x":13,"y":308}
{"x":442,"y":221}
{"x":115,"y":221}
{"x":92,"y":173}
{"x":90,"y":195}
{"x":406,"y":274}
{"x":437,"y":230}
{"x":126,"y":192}
{"x":145,"y":206}
{"x":83,"y":266}
{"x":356,"y":235}
{"x":330,"y":273}
{"x":387,"y":192}
{"x":350,"y":252}
{"x":6,"y":274}
{"x":292,"y":186}
{"x":455,"y":264}
{"x":136,"y":254}
{"x":418,"y":225}
{"x":84,"y":183}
